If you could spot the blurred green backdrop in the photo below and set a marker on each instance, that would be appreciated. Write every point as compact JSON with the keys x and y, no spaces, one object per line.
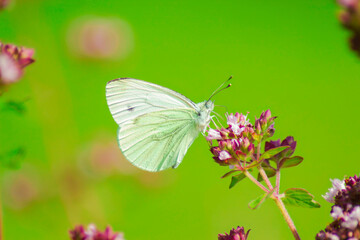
{"x":288,"y":56}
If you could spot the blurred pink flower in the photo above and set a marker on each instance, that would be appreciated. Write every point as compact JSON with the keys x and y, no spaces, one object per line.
{"x":10,"y":71}
{"x":103,"y":158}
{"x":12,"y":62}
{"x":100,"y":38}
{"x":20,"y":189}
{"x":91,"y":233}
{"x":349,"y":17}
{"x":4,"y":3}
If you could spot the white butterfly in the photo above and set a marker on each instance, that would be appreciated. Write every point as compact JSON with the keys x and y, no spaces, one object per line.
{"x":156,"y":125}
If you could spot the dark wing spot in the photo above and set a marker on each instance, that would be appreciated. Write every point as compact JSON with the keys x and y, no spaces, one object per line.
{"x":130,"y":109}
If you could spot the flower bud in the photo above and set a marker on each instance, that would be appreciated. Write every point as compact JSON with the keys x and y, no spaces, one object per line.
{"x":251,"y":148}
{"x":215,"y":151}
{"x":225,"y":144}
{"x":257,"y":126}
{"x":235,"y":234}
{"x":224,"y":133}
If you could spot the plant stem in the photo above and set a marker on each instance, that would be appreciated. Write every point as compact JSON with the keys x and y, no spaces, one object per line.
{"x":264,"y":176}
{"x":287,"y":217}
{"x":275,"y":195}
{"x":277,"y":181}
{"x":251,"y":177}
{"x":261,"y":170}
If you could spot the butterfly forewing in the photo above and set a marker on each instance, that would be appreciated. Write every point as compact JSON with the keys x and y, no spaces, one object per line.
{"x":156,"y":125}
{"x":128,"y":98}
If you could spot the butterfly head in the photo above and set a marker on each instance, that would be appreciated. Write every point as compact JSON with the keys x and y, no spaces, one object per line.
{"x":204,"y":118}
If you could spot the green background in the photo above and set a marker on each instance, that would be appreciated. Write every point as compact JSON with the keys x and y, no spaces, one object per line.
{"x":288,"y":56}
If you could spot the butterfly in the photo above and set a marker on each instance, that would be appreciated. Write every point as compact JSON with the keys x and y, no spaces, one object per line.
{"x":156,"y":125}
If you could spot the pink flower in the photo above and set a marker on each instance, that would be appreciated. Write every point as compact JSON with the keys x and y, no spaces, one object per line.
{"x":235,"y":234}
{"x":338,"y":185}
{"x":224,"y":155}
{"x":79,"y":233}
{"x":237,"y":123}
{"x":10,"y":70}
{"x":236,"y":142}
{"x":12,"y":62}
{"x":347,"y":3}
{"x":213,"y":135}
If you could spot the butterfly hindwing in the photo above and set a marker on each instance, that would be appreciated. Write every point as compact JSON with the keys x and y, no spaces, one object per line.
{"x":158,"y":140}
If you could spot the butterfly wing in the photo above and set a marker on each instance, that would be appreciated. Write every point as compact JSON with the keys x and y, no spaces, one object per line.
{"x":158,"y":140}
{"x":156,"y":125}
{"x":129,"y":98}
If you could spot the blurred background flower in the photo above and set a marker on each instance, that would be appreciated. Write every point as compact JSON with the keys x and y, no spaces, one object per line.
{"x":92,"y":233}
{"x":102,"y":158}
{"x":3,"y":3}
{"x":100,"y":38}
{"x":13,"y":60}
{"x":22,"y":188}
{"x":349,"y":17}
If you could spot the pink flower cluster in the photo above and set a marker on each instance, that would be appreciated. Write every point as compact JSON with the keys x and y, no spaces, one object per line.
{"x":350,"y":18}
{"x":346,"y":210}
{"x":91,"y":233}
{"x":12,"y":62}
{"x":235,"y":234}
{"x":236,"y":142}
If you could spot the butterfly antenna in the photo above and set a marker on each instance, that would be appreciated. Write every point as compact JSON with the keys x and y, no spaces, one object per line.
{"x":219,"y":89}
{"x":222,"y":106}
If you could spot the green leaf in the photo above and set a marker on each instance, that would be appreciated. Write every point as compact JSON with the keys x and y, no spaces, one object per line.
{"x":13,"y":158}
{"x":290,"y":162}
{"x":13,"y":106}
{"x":270,"y":172}
{"x":229,"y":173}
{"x":272,"y":152}
{"x":235,"y":179}
{"x":299,"y":197}
{"x":259,"y":200}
